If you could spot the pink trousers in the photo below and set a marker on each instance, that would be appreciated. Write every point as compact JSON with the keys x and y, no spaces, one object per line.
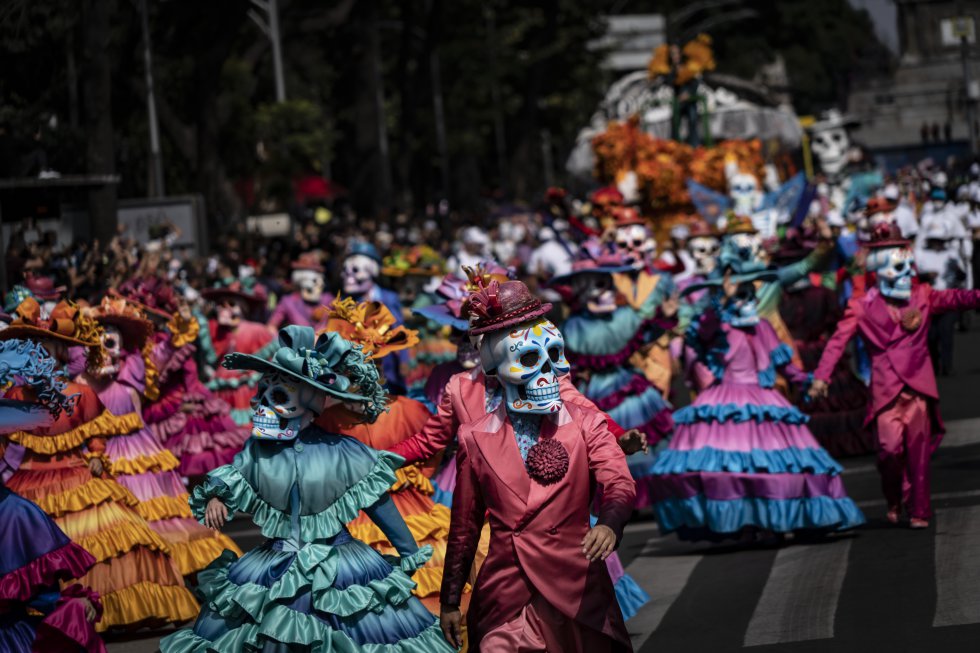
{"x":904,"y":433}
{"x":541,"y":628}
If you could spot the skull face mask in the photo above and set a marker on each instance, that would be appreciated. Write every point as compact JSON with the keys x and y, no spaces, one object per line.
{"x":112,"y":345}
{"x":704,"y":250}
{"x":229,"y":313}
{"x":636,"y":240}
{"x":528,"y":361}
{"x":830,"y":147}
{"x":597,"y":292}
{"x":743,"y":188}
{"x":894,"y":267}
{"x":281,"y":407}
{"x":743,"y":248}
{"x":310,"y":285}
{"x":359,"y":274}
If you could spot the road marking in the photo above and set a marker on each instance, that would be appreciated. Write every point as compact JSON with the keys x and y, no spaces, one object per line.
{"x":957,"y":571}
{"x":663,"y":577}
{"x":800,"y":598}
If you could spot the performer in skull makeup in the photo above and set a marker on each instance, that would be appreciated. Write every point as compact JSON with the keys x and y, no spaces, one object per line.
{"x":893,"y":320}
{"x":299,"y":306}
{"x":529,"y":466}
{"x":741,"y":460}
{"x":311,"y":586}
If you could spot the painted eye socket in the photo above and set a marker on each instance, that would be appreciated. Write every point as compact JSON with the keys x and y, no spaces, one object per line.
{"x":279,"y":396}
{"x":530,"y":359}
{"x":554,"y":354}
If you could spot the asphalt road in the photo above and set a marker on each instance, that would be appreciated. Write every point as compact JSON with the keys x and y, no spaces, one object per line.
{"x":881,"y":588}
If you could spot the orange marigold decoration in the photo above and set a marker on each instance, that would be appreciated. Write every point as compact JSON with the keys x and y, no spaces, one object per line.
{"x":698,"y":58}
{"x":371,"y":325}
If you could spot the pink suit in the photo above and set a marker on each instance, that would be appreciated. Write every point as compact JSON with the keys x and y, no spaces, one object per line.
{"x":535,"y":576}
{"x":464,"y":401}
{"x":904,"y":405}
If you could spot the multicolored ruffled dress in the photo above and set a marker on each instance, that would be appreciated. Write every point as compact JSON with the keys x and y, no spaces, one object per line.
{"x":134,"y":575}
{"x":139,"y":463}
{"x":311,"y":586}
{"x":599,"y":347}
{"x":236,"y":387}
{"x":742,"y":458}
{"x":187,"y":418}
{"x":36,"y":556}
{"x":411,"y":493}
{"x":837,"y":420}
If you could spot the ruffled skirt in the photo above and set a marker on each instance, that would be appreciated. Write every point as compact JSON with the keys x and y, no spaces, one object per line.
{"x":337,"y":595}
{"x":742,"y":458}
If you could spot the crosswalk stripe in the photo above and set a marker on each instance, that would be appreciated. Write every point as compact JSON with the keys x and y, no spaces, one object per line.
{"x":957,"y":574}
{"x":800,"y":598}
{"x":663,"y":577}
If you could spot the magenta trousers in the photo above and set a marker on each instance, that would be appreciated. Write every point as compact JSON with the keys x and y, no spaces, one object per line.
{"x":904,"y":446}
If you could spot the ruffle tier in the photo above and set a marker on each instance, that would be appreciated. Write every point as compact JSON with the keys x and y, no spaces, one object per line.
{"x":104,"y":425}
{"x":147,"y":604}
{"x":64,"y":563}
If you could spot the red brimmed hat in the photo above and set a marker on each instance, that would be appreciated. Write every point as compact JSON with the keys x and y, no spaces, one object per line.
{"x":626,"y":216}
{"x":887,"y":235}
{"x":254,"y":296}
{"x":701,"y":229}
{"x":497,"y":306}
{"x":308,"y":261}
{"x":128,"y":318}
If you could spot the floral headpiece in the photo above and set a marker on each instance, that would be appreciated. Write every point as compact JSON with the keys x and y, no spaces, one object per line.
{"x":495,"y":305}
{"x":420,"y":260}
{"x":371,"y":325}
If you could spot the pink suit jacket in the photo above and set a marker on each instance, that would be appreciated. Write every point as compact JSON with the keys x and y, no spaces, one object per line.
{"x":464,"y":401}
{"x":536,"y":530}
{"x":899,"y":357}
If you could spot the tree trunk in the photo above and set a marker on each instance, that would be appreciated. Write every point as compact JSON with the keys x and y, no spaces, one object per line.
{"x":97,"y":104}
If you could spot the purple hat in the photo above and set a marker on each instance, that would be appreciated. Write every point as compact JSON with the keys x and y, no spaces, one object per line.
{"x":497,"y":306}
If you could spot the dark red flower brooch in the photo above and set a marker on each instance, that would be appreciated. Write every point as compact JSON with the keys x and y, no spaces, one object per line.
{"x":547,"y":461}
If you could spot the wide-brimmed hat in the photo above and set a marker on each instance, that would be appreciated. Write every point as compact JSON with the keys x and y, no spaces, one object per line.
{"x":887,"y":235}
{"x":67,"y":324}
{"x":739,"y":224}
{"x":453,"y":292}
{"x":253,"y":295}
{"x":128,"y":318}
{"x":737,"y":279}
{"x":371,"y":325}
{"x":599,"y":263}
{"x":361,"y":248}
{"x":701,"y":229}
{"x":497,"y":306}
{"x":43,"y":287}
{"x":308,"y":261}
{"x":417,"y":261}
{"x":626,"y":216}
{"x":877,"y":205}
{"x":328,"y":363}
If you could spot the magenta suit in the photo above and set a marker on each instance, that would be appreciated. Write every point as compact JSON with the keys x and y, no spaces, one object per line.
{"x":904,"y":405}
{"x":535,"y":559}
{"x":464,"y":400}
{"x":293,"y":309}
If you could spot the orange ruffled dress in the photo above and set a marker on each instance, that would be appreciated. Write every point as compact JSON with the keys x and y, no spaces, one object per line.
{"x":137,"y":580}
{"x":141,"y":464}
{"x":412,"y":492}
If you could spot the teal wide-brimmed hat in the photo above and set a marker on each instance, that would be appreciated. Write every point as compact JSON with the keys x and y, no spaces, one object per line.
{"x":737,"y":279}
{"x":328,"y":363}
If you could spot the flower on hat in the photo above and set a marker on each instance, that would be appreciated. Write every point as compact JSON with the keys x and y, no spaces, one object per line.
{"x":371,"y":325}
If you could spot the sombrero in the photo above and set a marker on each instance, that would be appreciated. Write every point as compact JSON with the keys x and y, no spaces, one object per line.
{"x":67,"y":324}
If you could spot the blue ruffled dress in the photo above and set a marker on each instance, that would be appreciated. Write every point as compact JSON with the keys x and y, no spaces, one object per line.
{"x":311,"y":587}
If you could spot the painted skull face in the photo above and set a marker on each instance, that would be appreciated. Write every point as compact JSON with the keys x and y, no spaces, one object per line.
{"x":596,"y":291}
{"x":881,"y":217}
{"x":229,"y":313}
{"x":310,"y":285}
{"x":830,"y":147}
{"x":744,"y":247}
{"x":528,"y":361}
{"x":742,"y":308}
{"x":112,"y":345}
{"x":637,"y":241}
{"x":359,"y":274}
{"x":704,"y":250}
{"x":743,"y":188}
{"x":278,"y":409}
{"x":895,"y":268}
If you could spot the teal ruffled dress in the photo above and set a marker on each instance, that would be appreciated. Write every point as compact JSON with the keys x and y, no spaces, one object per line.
{"x":311,"y":587}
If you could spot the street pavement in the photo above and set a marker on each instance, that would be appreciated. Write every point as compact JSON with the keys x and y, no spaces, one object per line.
{"x":880,"y":588}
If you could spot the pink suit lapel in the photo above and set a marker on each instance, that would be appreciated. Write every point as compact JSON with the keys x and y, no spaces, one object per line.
{"x":499,"y":448}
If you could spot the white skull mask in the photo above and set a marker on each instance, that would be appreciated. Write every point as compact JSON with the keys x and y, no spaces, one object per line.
{"x":704,"y":250}
{"x":359,"y":274}
{"x":831,"y":147}
{"x":229,"y":313}
{"x":528,"y":361}
{"x":281,"y":407}
{"x":310,"y":285}
{"x":894,"y":267}
{"x":637,"y":241}
{"x":881,"y":217}
{"x":112,"y":345}
{"x":746,"y":247}
{"x":596,"y":291}
{"x":743,"y":188}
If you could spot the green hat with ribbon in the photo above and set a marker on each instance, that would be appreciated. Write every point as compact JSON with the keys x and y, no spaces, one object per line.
{"x":328,"y":363}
